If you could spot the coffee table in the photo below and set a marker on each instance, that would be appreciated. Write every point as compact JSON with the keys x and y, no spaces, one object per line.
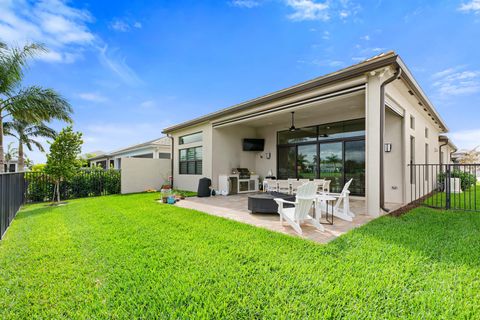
{"x":264,"y":203}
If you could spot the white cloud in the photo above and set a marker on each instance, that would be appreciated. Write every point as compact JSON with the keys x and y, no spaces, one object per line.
{"x":466,"y":139}
{"x":456,"y":81}
{"x":63,"y":29}
{"x":147,"y":104}
{"x":52,"y":22}
{"x":92,"y":97}
{"x":124,"y":26}
{"x":118,"y":65}
{"x":308,"y":10}
{"x":326,"y":35}
{"x":366,"y":38}
{"x":471,"y":6}
{"x":245,"y":3}
{"x":305,"y":10}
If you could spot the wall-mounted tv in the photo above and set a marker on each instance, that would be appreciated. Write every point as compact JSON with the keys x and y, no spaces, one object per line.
{"x":253,"y":144}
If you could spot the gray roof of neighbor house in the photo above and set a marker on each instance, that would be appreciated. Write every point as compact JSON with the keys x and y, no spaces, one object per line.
{"x":382,"y":60}
{"x":163,"y":141}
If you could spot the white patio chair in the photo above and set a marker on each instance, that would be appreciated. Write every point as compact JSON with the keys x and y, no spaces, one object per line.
{"x":326,"y":186}
{"x":341,"y":209}
{"x":283,"y":186}
{"x":294,"y":185}
{"x":300,"y":213}
{"x":304,"y":180}
{"x":320,"y":185}
{"x":269,"y":185}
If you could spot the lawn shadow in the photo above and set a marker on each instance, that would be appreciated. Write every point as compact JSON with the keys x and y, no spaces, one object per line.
{"x":38,"y":209}
{"x":442,"y":236}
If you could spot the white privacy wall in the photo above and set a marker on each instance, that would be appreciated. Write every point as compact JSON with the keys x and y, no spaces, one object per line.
{"x":139,"y":174}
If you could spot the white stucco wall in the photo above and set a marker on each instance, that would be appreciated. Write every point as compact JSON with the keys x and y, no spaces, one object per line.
{"x":139,"y":174}
{"x":398,"y":92}
{"x":190,"y":181}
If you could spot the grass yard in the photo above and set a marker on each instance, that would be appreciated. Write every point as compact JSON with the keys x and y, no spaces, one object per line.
{"x":130,"y":257}
{"x":467,"y":200}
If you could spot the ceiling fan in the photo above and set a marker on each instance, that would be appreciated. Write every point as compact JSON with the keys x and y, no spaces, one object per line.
{"x":293,"y":128}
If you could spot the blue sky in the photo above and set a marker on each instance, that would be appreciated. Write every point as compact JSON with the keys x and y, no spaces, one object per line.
{"x":131,"y":68}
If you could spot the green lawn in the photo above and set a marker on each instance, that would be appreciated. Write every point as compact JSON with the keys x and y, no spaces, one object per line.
{"x":469,"y":199}
{"x":128,"y":257}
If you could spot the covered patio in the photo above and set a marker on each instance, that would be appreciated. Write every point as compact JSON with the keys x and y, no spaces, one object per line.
{"x":234,"y":207}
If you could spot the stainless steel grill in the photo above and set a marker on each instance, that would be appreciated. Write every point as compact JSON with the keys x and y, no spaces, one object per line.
{"x":243,"y":173}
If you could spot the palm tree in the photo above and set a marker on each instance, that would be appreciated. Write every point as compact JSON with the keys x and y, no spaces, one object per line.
{"x":10,"y":154}
{"x":25,"y":134}
{"x":32,"y":104}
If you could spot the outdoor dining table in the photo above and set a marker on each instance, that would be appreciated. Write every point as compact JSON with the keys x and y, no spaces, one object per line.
{"x":328,"y":200}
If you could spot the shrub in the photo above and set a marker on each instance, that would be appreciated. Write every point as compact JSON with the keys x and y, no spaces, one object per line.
{"x":84,"y":183}
{"x":466,"y":179}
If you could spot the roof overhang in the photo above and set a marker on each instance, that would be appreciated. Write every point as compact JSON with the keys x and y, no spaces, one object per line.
{"x":357,"y":70}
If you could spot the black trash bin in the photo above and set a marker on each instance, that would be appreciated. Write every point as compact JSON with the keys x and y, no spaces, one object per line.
{"x":204,"y":187}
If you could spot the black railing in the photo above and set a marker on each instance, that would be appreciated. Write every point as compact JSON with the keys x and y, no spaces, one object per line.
{"x":12,"y":196}
{"x":446,"y":186}
{"x":86,"y":183}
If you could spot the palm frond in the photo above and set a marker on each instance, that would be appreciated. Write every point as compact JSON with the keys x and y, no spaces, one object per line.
{"x":35,"y":104}
{"x":13,"y":62}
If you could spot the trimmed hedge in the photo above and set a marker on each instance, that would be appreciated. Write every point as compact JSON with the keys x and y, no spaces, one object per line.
{"x":86,"y":183}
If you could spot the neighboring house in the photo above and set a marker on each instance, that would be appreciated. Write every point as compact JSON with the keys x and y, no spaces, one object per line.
{"x":11,"y":166}
{"x":343,"y":133}
{"x":154,"y":149}
{"x":447,"y":150}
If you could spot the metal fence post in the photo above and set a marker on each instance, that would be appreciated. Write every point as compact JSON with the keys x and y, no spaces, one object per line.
{"x":448,"y":188}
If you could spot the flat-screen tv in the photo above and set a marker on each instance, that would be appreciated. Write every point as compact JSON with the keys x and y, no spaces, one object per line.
{"x":253,"y":144}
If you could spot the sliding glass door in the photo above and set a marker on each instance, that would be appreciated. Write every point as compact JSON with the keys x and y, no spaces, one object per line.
{"x":331,"y":164}
{"x":307,"y":166}
{"x":335,"y":152}
{"x":355,"y":165}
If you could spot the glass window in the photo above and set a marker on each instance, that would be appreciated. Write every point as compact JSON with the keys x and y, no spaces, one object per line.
{"x":302,"y":135}
{"x":286,"y":162}
{"x":331,"y":164}
{"x":190,"y":161}
{"x":190,"y":138}
{"x":307,"y":161}
{"x":345,"y":129}
{"x":163,"y":155}
{"x":412,"y":122}
{"x":426,"y":133}
{"x":355,"y":165}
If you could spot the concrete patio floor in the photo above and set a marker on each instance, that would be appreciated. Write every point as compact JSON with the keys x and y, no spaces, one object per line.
{"x":235,"y":207}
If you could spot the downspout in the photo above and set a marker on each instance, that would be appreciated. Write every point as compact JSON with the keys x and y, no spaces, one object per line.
{"x":171,"y":160}
{"x":382,"y":138}
{"x":440,"y":151}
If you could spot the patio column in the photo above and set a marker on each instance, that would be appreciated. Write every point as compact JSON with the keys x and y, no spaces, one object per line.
{"x":372,"y":137}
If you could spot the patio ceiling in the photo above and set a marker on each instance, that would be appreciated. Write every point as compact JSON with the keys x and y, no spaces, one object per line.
{"x":353,"y":103}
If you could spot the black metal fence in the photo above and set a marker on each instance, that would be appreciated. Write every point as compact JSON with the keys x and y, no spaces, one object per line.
{"x":446,"y":186}
{"x":12,"y":196}
{"x":86,"y":183}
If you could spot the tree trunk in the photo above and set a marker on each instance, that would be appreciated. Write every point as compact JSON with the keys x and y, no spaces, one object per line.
{"x":21,"y":160}
{"x":58,"y":191}
{"x":2,"y":154}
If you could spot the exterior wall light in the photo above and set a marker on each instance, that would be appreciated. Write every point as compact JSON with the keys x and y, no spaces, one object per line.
{"x":387,"y":147}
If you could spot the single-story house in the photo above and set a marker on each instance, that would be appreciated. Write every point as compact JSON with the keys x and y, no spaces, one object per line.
{"x":368,"y":122}
{"x":11,"y":166}
{"x":154,"y":149}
